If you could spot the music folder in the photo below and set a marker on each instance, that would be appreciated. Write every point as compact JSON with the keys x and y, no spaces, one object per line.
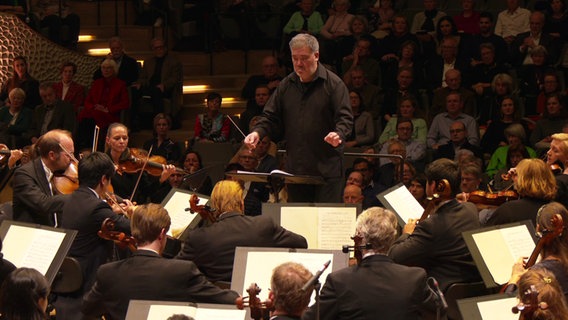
{"x":495,"y":249}
{"x":36,"y":246}
{"x":400,"y":201}
{"x":162,"y":310}
{"x":177,"y":204}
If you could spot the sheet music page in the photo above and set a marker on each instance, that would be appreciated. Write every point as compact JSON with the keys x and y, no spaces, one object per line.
{"x":336,"y":226}
{"x":498,"y":309}
{"x":301,"y":220}
{"x":31,"y":247}
{"x":404,"y":204}
{"x":519,"y":241}
{"x":260,"y":265}
{"x":163,"y":312}
{"x":176,"y":209}
{"x":220,"y":314}
{"x":495,"y":254}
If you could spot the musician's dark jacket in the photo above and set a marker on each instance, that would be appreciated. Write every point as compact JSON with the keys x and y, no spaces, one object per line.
{"x":212,"y":248}
{"x":377,"y":288}
{"x":437,"y":244}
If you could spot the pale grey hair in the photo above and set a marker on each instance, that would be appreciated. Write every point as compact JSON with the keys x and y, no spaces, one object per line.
{"x":305,"y":40}
{"x":377,"y":226}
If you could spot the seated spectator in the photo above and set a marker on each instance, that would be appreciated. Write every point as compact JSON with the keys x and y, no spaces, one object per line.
{"x":458,"y":141}
{"x":161,"y":144}
{"x":54,"y":15}
{"x":53,"y":113}
{"x":470,"y":45}
{"x":439,"y":133}
{"x":453,"y":81}
{"x":515,"y":153}
{"x":380,"y":18}
{"x":269,"y":77}
{"x":359,"y":28}
{"x":106,"y":99}
{"x":128,"y":69}
{"x":200,"y":183}
{"x":161,"y":78}
{"x":306,"y":20}
{"x":415,"y":149}
{"x":371,"y":188}
{"x":424,"y":22}
{"x":494,"y":135}
{"x":24,"y":295}
{"x":352,"y":194}
{"x":445,"y":29}
{"x":212,"y":126}
{"x":551,"y":85}
{"x":354,"y":178}
{"x":512,"y":21}
{"x":174,"y":181}
{"x":526,"y":42}
{"x":254,"y":107}
{"x":436,"y":66}
{"x":21,"y":78}
{"x":364,"y":130}
{"x":335,"y":29}
{"x":407,"y":56}
{"x":15,"y":120}
{"x":408,"y":172}
{"x":553,"y":121}
{"x":417,"y":188}
{"x":531,"y":78}
{"x":406,"y":109}
{"x":502,"y":86}
{"x":369,"y":92}
{"x":389,"y":173}
{"x":556,"y":24}
{"x":69,"y":90}
{"x":471,"y":178}
{"x":391,"y":45}
{"x":516,"y":136}
{"x":467,"y":21}
{"x":266,"y":161}
{"x":482,"y":73}
{"x":361,"y":57}
{"x":405,"y":89}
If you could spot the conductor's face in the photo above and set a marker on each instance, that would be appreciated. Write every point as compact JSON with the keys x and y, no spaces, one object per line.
{"x":305,"y":63}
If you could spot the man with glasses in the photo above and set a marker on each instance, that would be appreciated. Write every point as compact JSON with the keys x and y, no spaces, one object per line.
{"x":36,"y":198}
{"x":415,"y":149}
{"x":439,"y":133}
{"x":458,"y":141}
{"x":269,"y":77}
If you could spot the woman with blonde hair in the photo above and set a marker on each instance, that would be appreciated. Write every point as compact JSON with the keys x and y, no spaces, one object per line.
{"x":535,"y":185}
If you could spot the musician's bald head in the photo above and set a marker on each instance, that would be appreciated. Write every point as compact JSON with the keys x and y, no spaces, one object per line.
{"x":285,"y":288}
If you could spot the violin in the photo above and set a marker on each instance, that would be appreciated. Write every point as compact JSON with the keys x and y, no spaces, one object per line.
{"x":258,"y":309}
{"x":206,"y":212}
{"x":443,"y":192}
{"x":546,"y":237}
{"x":66,"y":182}
{"x":357,"y":249}
{"x":138,"y":160}
{"x":121,"y":239}
{"x":492,"y":198}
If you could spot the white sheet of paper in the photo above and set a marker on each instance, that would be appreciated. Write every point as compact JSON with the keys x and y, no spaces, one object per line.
{"x":261,"y":264}
{"x":176,"y":209}
{"x":498,"y":309}
{"x":501,"y":248}
{"x":31,"y":247}
{"x":301,"y":220}
{"x":404,"y":204}
{"x":220,"y":314}
{"x":336,"y":226}
{"x":163,"y":312}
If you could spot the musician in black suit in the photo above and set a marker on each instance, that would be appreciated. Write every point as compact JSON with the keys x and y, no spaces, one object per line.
{"x":436,"y":243}
{"x":148,"y":276}
{"x":385,"y":289}
{"x":34,"y":199}
{"x":290,"y":301}
{"x":85,"y":212}
{"x":212,"y":248}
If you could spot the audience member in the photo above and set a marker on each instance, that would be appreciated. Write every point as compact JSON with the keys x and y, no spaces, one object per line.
{"x":15,"y":120}
{"x":408,"y":56}
{"x":405,"y":89}
{"x":553,"y":121}
{"x":389,"y":173}
{"x":352,"y":194}
{"x":415,"y":149}
{"x":212,"y":126}
{"x":364,"y":130}
{"x":525,"y":42}
{"x":254,"y":106}
{"x":69,"y":90}
{"x":201,"y":182}
{"x":501,"y":179}
{"x":361,"y":57}
{"x":335,"y":29}
{"x":515,"y":137}
{"x":436,"y":243}
{"x":551,"y":85}
{"x":212,"y":248}
{"x":459,"y":140}
{"x":406,"y":110}
{"x":483,"y":72}
{"x":355,"y":178}
{"x":371,"y":188}
{"x":266,"y":161}
{"x":439,"y":133}
{"x":556,"y":24}
{"x":467,"y":21}
{"x":417,"y":188}
{"x":453,"y":80}
{"x":306,"y":20}
{"x":531,"y":78}
{"x":148,"y":276}
{"x":369,"y":92}
{"x":494,"y":135}
{"x":512,"y":21}
{"x":380,"y":18}
{"x":437,"y":66}
{"x":53,"y":113}
{"x":128,"y":69}
{"x":502,"y":86}
{"x":471,"y":178}
{"x":391,"y":45}
{"x":21,"y":78}
{"x":384,"y":295}
{"x":269,"y":77}
{"x":161,"y":144}
{"x":424,"y":22}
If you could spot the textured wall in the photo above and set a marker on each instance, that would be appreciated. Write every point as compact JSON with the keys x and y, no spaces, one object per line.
{"x":44,"y":57}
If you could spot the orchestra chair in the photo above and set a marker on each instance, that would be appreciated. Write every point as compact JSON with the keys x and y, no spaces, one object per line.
{"x":69,"y":278}
{"x":459,"y":291}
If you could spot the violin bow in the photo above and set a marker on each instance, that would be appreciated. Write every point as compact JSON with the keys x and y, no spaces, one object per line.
{"x":69,"y":153}
{"x":140,"y":174}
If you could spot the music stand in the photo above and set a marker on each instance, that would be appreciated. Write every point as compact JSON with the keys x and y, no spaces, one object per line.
{"x":195,"y":180}
{"x":276,"y":179}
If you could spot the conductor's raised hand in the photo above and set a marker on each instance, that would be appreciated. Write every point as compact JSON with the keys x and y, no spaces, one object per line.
{"x":333,"y":139}
{"x":252,"y":140}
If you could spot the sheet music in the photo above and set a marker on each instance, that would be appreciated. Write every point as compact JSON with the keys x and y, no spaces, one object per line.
{"x":404,"y":204}
{"x":163,"y":312}
{"x":31,"y":247}
{"x":301,"y":220}
{"x":336,"y":225}
{"x":176,"y":209}
{"x":500,"y":309}
{"x":220,"y":314}
{"x":261,"y":264}
{"x":500,"y":249}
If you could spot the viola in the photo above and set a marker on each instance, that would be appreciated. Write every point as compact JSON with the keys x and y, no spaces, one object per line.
{"x":138,"y":160}
{"x":258,"y":309}
{"x":492,"y":198}
{"x":66,"y":182}
{"x":205,"y":211}
{"x":121,"y":239}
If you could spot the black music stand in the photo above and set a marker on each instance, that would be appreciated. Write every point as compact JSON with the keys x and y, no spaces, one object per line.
{"x":276,"y":179}
{"x":195,"y":180}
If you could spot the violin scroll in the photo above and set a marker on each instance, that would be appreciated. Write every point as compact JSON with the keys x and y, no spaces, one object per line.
{"x":258,"y":309}
{"x":119,"y":238}
{"x":206,"y":212}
